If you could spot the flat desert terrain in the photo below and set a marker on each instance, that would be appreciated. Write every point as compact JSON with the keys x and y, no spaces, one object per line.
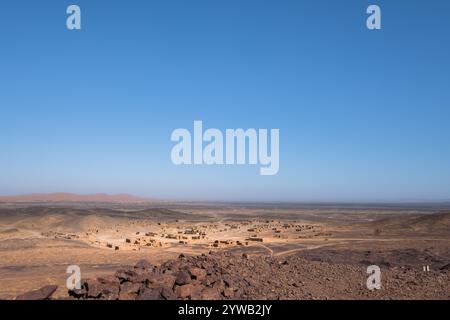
{"x":246,"y":251}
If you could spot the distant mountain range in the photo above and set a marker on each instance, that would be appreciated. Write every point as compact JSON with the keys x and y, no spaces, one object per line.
{"x":71,"y":197}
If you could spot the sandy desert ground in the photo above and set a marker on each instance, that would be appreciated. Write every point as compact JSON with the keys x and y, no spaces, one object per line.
{"x":293,"y":251}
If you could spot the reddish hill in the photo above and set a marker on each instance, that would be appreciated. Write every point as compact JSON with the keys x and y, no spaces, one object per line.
{"x":71,"y":197}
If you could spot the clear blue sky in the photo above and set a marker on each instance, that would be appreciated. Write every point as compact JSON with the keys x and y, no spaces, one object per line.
{"x":363,"y":115}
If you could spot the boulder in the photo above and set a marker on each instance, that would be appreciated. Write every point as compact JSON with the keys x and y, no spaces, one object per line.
{"x":197,"y":273}
{"x":41,"y":294}
{"x":143,"y":264}
{"x":229,"y":293}
{"x":129,"y":291}
{"x":79,"y":293}
{"x":168,"y":294}
{"x":109,"y":280}
{"x":229,"y":280}
{"x":446,"y":267}
{"x":107,"y":290}
{"x":182,"y":278}
{"x":160,"y":280}
{"x":210,"y":294}
{"x":127,"y":296}
{"x":151,"y":294}
{"x":186,"y":291}
{"x":219,"y":285}
{"x":172,"y":265}
{"x":127,"y":275}
{"x":130,"y":287}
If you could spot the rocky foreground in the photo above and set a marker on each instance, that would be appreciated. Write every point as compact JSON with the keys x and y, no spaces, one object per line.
{"x":217,"y":276}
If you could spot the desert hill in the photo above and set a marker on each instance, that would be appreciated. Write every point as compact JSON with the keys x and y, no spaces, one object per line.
{"x":431,"y":223}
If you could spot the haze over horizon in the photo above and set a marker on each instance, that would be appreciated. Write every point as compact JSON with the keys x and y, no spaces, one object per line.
{"x":363,"y":116}
{"x":130,"y":198}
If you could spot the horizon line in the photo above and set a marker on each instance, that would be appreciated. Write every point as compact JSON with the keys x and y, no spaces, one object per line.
{"x":131,"y":198}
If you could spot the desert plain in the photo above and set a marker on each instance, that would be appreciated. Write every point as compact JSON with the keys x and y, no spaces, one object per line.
{"x":255,"y":251}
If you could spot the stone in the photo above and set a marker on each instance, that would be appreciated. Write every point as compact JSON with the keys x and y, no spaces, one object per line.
{"x":94,"y":289}
{"x":109,"y":280}
{"x":102,"y":290}
{"x":126,"y":275}
{"x":197,"y":273}
{"x":228,"y":292}
{"x":185,"y":291}
{"x":151,"y":294}
{"x":210,"y":294}
{"x":168,"y":294}
{"x":127,"y":296}
{"x":229,"y":281}
{"x":160,"y":280}
{"x":41,"y":294}
{"x":172,"y":265}
{"x":79,"y":293}
{"x":130,"y":287}
{"x":446,"y":267}
{"x":219,"y":285}
{"x":183,"y":277}
{"x":143,"y":264}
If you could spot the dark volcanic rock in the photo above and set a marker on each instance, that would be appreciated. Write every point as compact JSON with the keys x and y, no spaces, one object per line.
{"x":228,"y":292}
{"x":127,"y":275}
{"x":446,"y":267}
{"x":168,"y":294}
{"x":160,"y":280}
{"x":107,"y":290}
{"x":197,"y":273}
{"x":171,"y":265}
{"x":210,"y":294}
{"x":41,"y":294}
{"x":226,"y":276}
{"x":187,"y":290}
{"x":130,"y":288}
{"x":143,"y":264}
{"x":111,"y":280}
{"x":79,"y":293}
{"x":183,"y":277}
{"x":151,"y":294}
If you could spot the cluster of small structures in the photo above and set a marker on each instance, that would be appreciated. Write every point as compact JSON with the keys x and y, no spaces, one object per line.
{"x":225,"y":243}
{"x":189,"y":233}
{"x":140,"y":234}
{"x":59,"y":235}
